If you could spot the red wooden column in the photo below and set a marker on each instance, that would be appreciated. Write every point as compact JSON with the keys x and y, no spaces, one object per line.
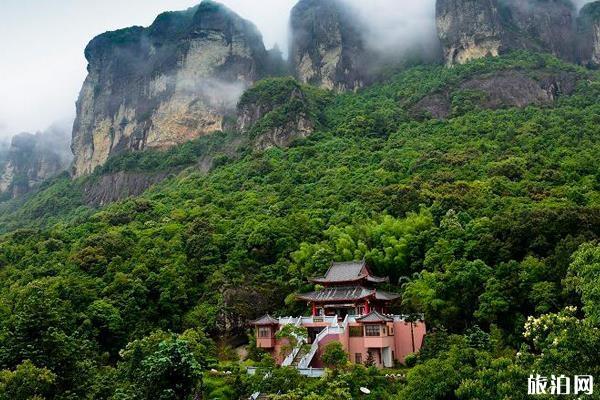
{"x":314,"y":310}
{"x":367,"y":308}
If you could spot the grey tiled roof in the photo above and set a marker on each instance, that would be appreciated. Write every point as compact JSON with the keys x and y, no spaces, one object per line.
{"x":338,"y":294}
{"x":348,"y":271}
{"x":265,"y":320}
{"x":374,"y":316}
{"x":381,"y":295}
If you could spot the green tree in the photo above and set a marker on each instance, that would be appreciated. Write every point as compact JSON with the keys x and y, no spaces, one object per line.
{"x":27,"y":382}
{"x":334,"y":356}
{"x":584,"y":278}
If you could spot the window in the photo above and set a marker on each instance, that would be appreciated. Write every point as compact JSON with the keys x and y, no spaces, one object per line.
{"x":360,"y":310}
{"x":264,"y":332}
{"x":358,"y":358}
{"x":372,"y":330}
{"x":356,"y":331}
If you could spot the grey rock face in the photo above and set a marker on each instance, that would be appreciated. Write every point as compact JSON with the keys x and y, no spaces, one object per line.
{"x":166,"y":84}
{"x":29,"y":161}
{"x":470,"y":29}
{"x":121,"y":185}
{"x":503,"y":89}
{"x":589,"y":34}
{"x":256,"y":117}
{"x":327,"y":49}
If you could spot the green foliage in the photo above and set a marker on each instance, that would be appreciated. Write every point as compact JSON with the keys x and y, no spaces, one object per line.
{"x":481,"y":221}
{"x":334,"y":356}
{"x":584,"y":278}
{"x":283,"y":101}
{"x":26,"y":382}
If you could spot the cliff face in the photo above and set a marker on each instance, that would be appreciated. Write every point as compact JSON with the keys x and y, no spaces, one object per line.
{"x":471,"y":29}
{"x":166,"y":84}
{"x":327,"y":49}
{"x":589,"y":34}
{"x":276,"y":112}
{"x":502,"y":89}
{"x":30,"y":160}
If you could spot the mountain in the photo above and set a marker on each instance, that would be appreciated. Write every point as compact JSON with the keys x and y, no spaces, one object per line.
{"x":208,"y":189}
{"x":327,"y":46}
{"x":31,"y":159}
{"x":471,"y":29}
{"x":183,"y":77}
{"x":486,"y":220}
{"x":166,"y":84}
{"x":589,"y":34}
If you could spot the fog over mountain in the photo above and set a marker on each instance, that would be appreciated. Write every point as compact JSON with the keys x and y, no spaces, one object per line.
{"x":46,"y":66}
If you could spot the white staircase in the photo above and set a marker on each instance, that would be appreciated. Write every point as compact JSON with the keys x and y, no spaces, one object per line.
{"x":300,"y":341}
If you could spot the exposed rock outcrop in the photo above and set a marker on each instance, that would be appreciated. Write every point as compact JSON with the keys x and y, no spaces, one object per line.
{"x":470,"y":29}
{"x":327,"y":48}
{"x":118,"y":186}
{"x":589,"y":34}
{"x":29,"y":161}
{"x":276,"y":112}
{"x":502,"y":89}
{"x":163,"y":85}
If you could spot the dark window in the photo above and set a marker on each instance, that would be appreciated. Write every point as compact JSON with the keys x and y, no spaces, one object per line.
{"x":358,"y":358}
{"x":356,"y":331}
{"x":264,"y":332}
{"x":372,"y":330}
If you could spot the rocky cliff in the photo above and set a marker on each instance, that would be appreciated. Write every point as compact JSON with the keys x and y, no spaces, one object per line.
{"x":327,"y":49}
{"x":469,"y":29}
{"x":497,"y":90}
{"x":30,"y":160}
{"x":589,"y":34}
{"x":276,"y":112}
{"x":166,"y":84}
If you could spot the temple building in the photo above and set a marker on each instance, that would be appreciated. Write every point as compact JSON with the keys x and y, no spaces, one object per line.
{"x":349,"y":309}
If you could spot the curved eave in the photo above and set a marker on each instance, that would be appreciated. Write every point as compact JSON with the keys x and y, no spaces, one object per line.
{"x":309,"y":298}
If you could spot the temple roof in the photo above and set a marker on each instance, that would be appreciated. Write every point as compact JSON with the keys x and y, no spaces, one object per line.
{"x":350,"y":293}
{"x":338,"y":294}
{"x":265,"y":320}
{"x":374,"y":317}
{"x":350,"y":271}
{"x":386,"y":296}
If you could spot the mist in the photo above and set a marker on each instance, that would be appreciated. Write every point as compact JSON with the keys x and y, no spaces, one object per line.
{"x":580,"y":3}
{"x":43,"y":66}
{"x":394,"y":28}
{"x":55,"y":140}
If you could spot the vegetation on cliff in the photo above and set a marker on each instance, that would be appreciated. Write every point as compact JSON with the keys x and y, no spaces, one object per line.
{"x":487,"y":221}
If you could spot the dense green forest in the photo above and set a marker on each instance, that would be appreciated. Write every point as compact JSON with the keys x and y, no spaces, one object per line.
{"x":487,"y":222}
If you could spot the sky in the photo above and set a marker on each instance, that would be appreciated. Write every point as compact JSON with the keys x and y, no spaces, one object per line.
{"x":42,"y":66}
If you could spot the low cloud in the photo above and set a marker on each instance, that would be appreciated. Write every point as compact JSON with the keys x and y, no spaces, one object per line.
{"x":398,"y":26}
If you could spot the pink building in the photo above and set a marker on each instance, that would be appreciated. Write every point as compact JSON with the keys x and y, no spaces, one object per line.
{"x":351,"y":310}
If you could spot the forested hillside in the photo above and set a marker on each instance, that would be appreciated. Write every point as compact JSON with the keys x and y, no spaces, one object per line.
{"x":480,"y":201}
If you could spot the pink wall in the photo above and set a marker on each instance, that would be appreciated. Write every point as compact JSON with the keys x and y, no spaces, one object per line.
{"x":403,"y":341}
